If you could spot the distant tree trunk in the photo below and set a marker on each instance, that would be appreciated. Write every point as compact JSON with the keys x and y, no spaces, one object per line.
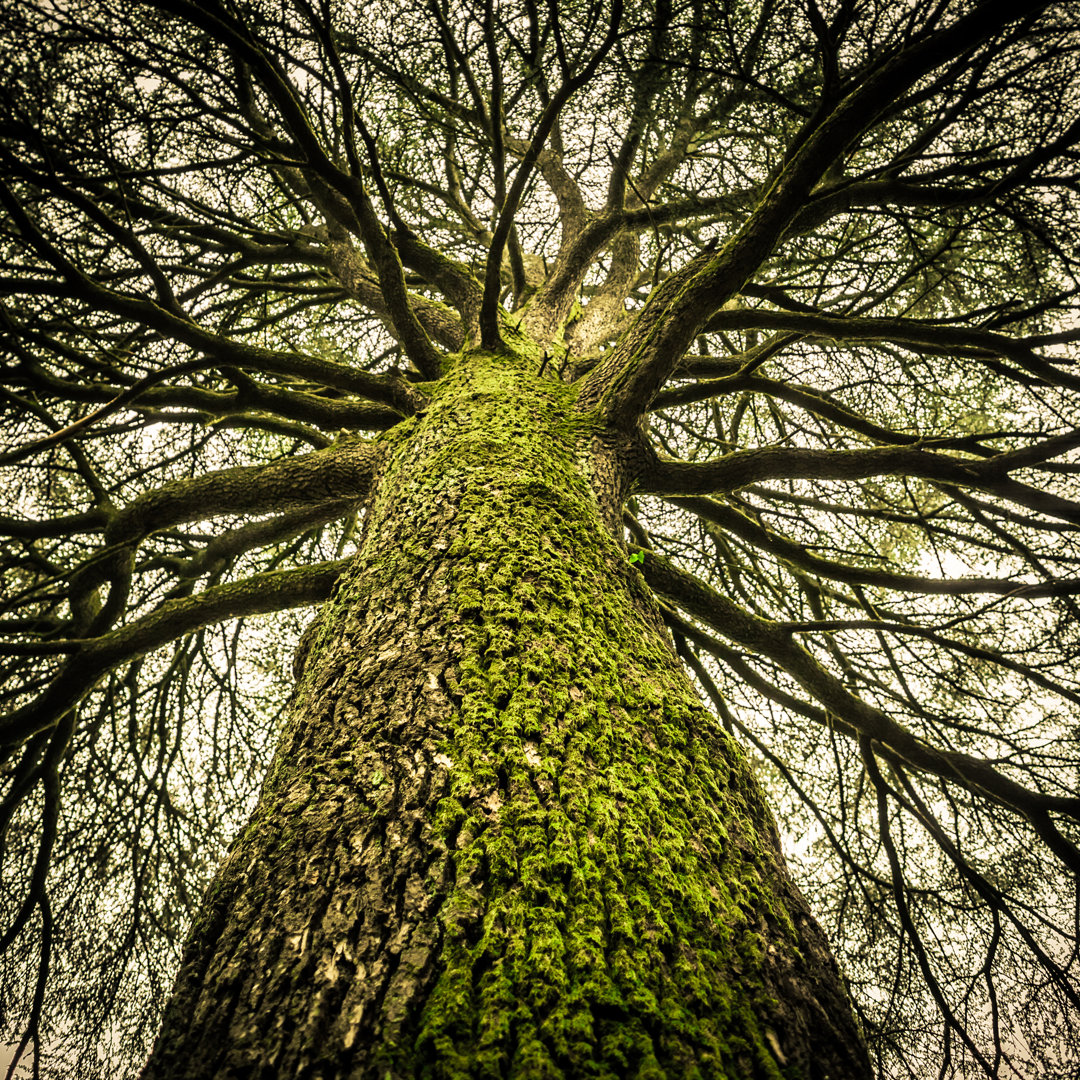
{"x":501,"y":837}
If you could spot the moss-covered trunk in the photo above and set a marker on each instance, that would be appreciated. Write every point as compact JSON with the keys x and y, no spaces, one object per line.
{"x":501,"y":837}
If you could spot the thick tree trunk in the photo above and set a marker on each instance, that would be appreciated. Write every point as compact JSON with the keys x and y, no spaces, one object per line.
{"x":501,"y":837}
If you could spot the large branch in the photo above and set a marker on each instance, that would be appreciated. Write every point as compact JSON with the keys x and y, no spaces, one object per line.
{"x":438,"y":321}
{"x":864,"y":194}
{"x":948,"y":340}
{"x":387,"y":262}
{"x":734,"y":521}
{"x":490,"y":325}
{"x":381,"y":249}
{"x":623,"y":385}
{"x":769,"y":639}
{"x":256,"y":595}
{"x":826,"y":202}
{"x":344,"y":202}
{"x":394,"y":392}
{"x":343,"y":471}
{"x":808,"y":398}
{"x":250,"y":399}
{"x":745,"y":467}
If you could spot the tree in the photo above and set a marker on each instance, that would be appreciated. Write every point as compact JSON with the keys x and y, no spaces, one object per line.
{"x":577,"y":361}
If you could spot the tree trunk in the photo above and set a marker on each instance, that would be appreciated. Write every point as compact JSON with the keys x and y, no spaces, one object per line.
{"x":501,"y":837}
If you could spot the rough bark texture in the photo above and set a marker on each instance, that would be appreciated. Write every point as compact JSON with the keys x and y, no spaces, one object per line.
{"x":501,"y":837}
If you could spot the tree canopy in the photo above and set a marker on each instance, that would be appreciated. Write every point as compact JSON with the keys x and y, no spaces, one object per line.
{"x":812,"y":268}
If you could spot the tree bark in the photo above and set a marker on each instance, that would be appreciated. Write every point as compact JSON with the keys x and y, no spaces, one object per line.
{"x":501,"y":837}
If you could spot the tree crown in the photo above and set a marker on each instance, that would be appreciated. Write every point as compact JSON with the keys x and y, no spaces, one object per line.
{"x":808,"y":268}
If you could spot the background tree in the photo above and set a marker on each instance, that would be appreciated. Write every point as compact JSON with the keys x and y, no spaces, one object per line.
{"x":790,"y":287}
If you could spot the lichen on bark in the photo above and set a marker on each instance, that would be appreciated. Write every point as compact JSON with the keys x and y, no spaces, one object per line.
{"x":501,"y":837}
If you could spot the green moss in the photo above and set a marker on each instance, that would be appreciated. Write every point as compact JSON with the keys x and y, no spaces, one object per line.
{"x":607,"y":904}
{"x":594,"y":821}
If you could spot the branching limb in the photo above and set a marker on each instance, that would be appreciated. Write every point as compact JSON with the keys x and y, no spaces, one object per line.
{"x":314,"y":487}
{"x":386,"y":390}
{"x":771,"y":640}
{"x":91,"y":659}
{"x":490,"y":331}
{"x":745,"y":467}
{"x":623,"y":386}
{"x":255,"y":401}
{"x":982,"y":345}
{"x":344,"y":471}
{"x":734,"y":521}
